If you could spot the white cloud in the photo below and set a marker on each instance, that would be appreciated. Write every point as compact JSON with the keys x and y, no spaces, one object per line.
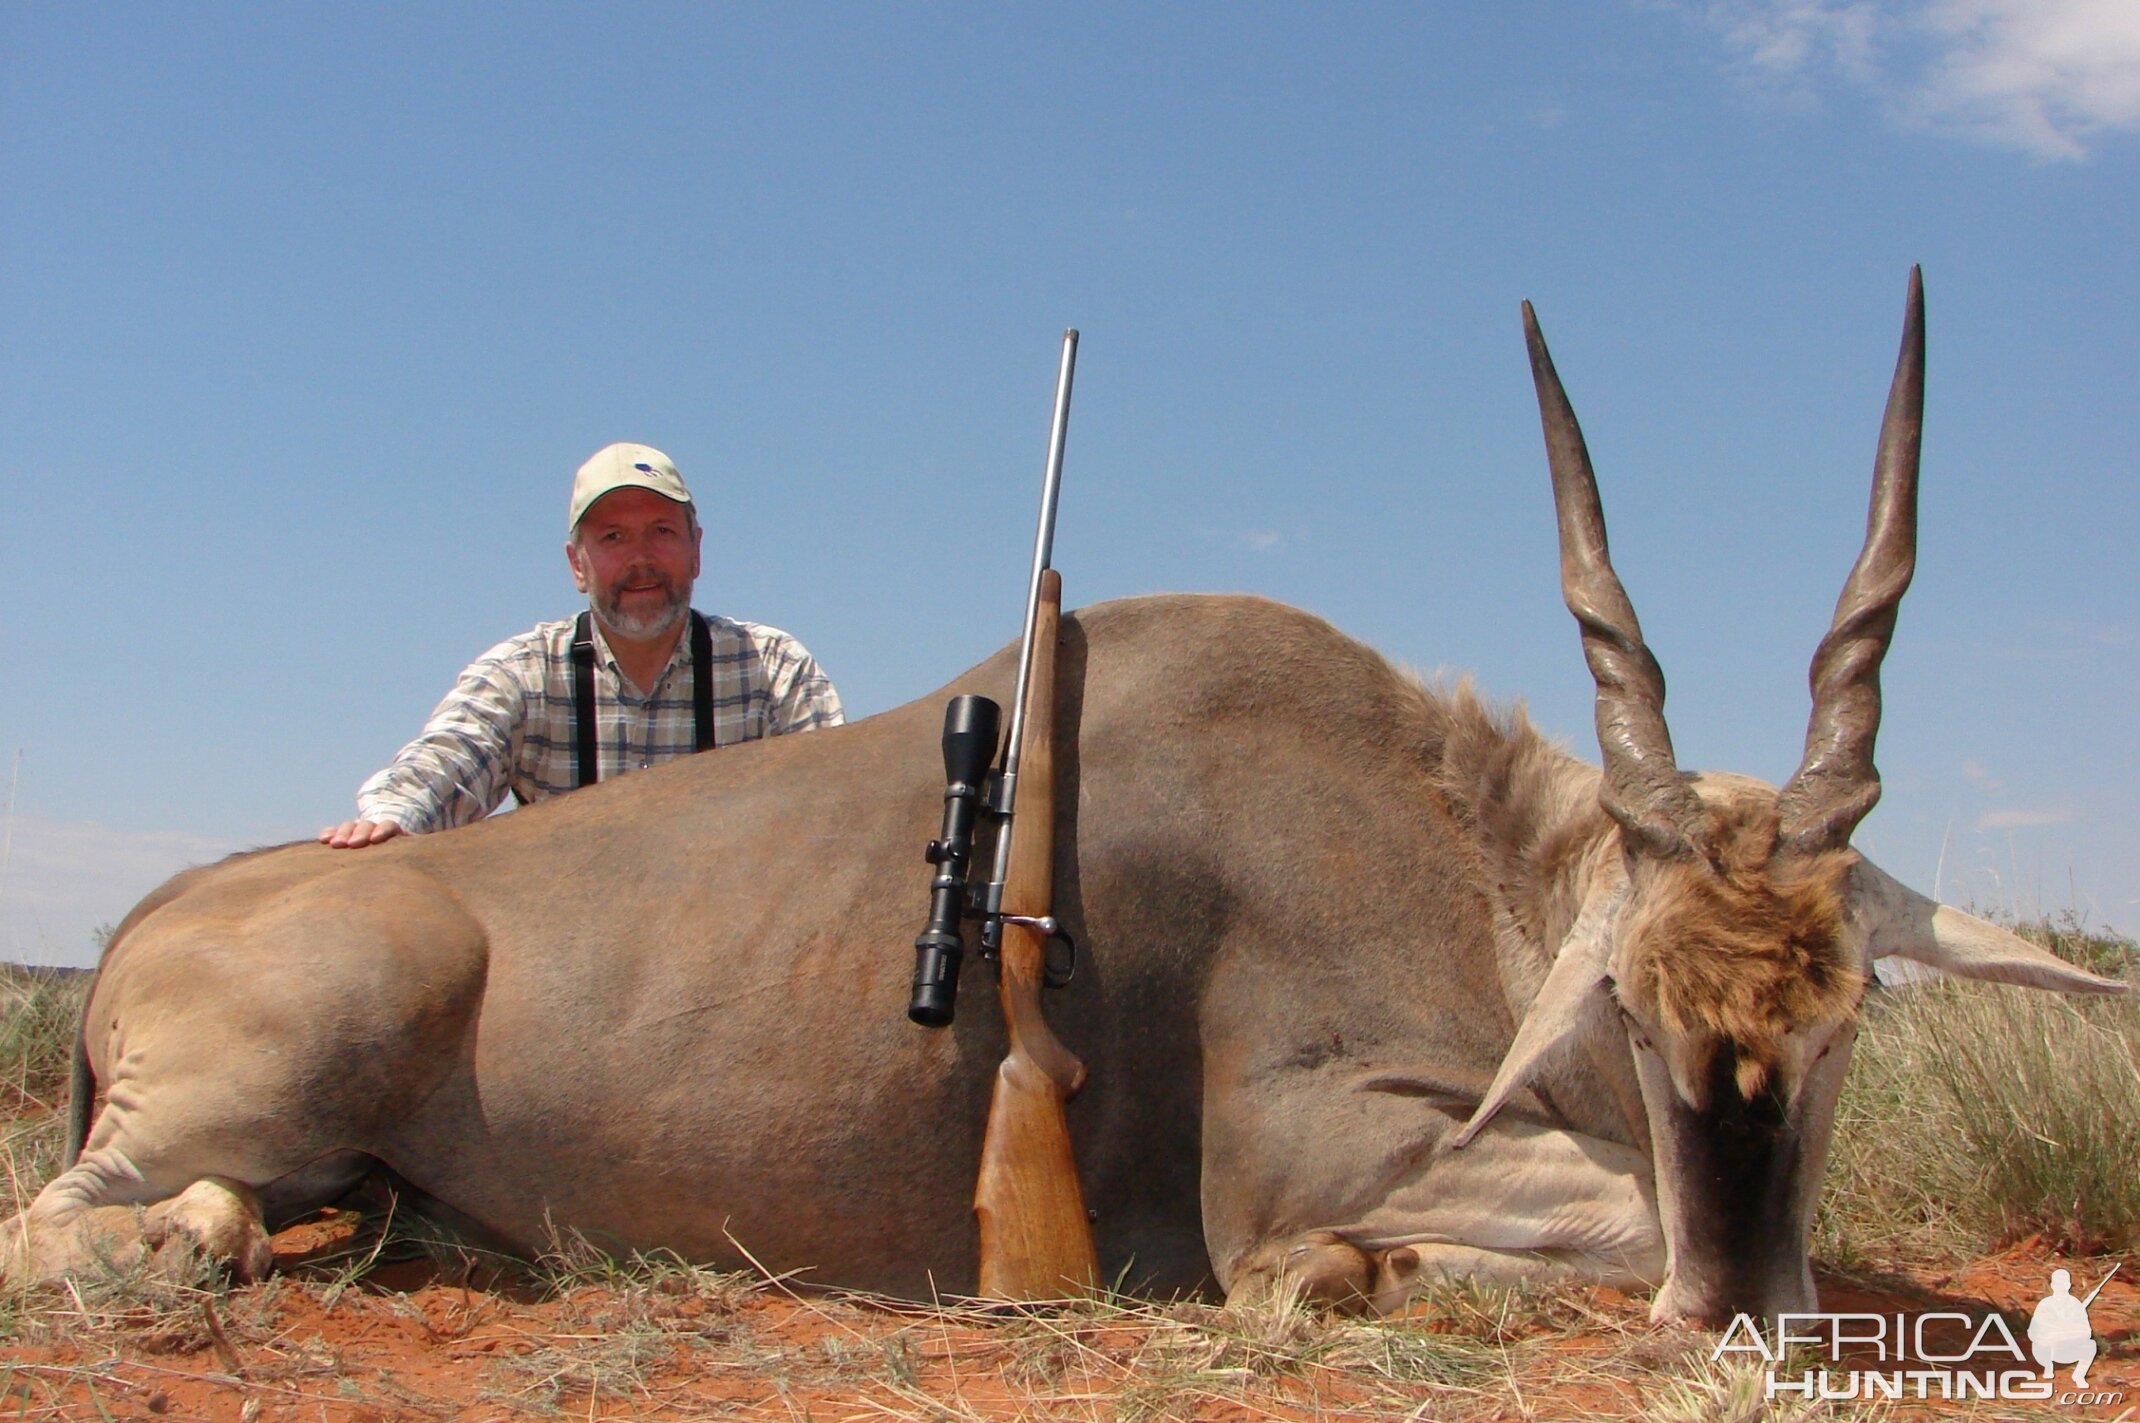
{"x":1784,"y":43}
{"x":2047,"y":77}
{"x":2041,"y":75}
{"x":2020,"y":819}
{"x":64,"y":880}
{"x":1254,"y":540}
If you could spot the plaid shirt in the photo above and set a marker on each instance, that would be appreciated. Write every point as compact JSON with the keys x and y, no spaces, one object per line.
{"x":506,"y":727}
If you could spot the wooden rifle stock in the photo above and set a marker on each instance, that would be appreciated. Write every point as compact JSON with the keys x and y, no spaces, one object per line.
{"x":1036,"y":1242}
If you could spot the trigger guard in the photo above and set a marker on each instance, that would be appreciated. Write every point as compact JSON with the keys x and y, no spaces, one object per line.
{"x":1056,"y":972}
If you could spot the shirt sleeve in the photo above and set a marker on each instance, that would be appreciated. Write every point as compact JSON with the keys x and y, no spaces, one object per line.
{"x":460,"y":768}
{"x":802,"y":697}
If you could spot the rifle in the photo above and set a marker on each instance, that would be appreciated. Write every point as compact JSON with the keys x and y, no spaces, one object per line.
{"x":1036,"y":1242}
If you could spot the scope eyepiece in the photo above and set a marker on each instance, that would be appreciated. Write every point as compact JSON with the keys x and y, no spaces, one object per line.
{"x":936,"y":979}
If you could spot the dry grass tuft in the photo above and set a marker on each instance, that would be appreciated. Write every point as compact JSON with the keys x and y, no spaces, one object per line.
{"x":1976,"y":1115}
{"x":620,"y":1325}
{"x":1736,"y":1392}
{"x":178,"y":1303}
{"x":40,"y":1010}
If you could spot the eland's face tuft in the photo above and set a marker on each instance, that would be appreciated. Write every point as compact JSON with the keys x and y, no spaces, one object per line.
{"x":1740,"y":953}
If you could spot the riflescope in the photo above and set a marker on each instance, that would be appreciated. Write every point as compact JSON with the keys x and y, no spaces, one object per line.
{"x":970,"y":725}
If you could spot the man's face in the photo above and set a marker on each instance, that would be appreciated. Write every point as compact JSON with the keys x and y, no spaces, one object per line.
{"x":635,"y":555}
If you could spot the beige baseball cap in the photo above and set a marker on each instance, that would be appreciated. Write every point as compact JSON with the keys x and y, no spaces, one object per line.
{"x":624,"y":466}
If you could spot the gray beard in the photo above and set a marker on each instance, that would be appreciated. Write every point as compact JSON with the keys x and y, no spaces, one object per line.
{"x":645,"y":627}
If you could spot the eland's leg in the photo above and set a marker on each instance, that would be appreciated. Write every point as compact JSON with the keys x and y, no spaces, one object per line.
{"x":250,"y":1056}
{"x":1376,"y":1207}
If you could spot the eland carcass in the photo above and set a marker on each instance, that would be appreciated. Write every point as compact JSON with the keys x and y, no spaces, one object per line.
{"x":1376,"y":985}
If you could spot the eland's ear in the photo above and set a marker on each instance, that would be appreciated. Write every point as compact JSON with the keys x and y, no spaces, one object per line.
{"x":1566,"y":1005}
{"x":1899,"y":922}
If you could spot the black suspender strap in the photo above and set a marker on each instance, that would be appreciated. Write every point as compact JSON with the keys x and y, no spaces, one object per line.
{"x":701,"y":682}
{"x":584,"y":726}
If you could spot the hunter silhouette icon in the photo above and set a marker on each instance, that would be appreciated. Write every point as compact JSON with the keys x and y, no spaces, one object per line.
{"x":2059,"y":1332}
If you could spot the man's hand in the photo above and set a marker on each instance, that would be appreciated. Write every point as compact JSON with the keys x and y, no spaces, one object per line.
{"x":355,"y":834}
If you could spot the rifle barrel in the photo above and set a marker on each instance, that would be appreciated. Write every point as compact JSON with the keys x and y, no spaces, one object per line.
{"x":1043,"y":550}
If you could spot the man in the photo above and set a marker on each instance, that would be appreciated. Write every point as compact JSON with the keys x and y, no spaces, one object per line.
{"x":663,"y":681}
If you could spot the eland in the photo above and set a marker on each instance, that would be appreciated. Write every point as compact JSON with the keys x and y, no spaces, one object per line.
{"x":1378,"y":986}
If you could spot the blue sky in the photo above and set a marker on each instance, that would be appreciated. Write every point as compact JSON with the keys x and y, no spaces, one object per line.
{"x":307,"y":314}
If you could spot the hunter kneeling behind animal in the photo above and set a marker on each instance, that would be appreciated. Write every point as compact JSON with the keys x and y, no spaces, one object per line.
{"x":618,"y":689}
